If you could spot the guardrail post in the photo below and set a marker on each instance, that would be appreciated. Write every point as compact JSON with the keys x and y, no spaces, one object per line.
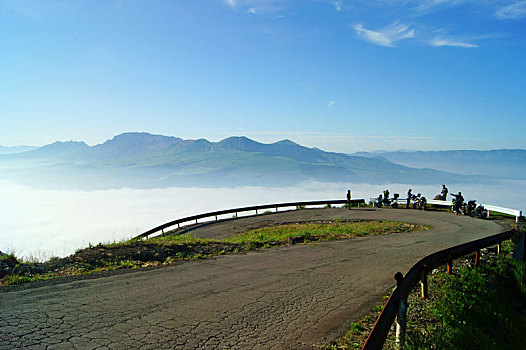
{"x":162,"y":230}
{"x":518,"y":220}
{"x":276,"y":209}
{"x":401,"y":319}
{"x":520,"y":249}
{"x":216,"y":217}
{"x":423,"y":282}
{"x":256,"y":212}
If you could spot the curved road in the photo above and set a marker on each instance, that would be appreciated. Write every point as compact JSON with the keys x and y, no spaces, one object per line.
{"x":281,"y":298}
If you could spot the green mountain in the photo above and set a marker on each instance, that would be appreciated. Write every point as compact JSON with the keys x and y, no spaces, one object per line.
{"x":145,"y":160}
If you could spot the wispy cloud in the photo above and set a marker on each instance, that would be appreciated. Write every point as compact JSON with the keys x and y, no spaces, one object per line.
{"x":428,"y":5}
{"x":231,"y":3}
{"x":338,"y":5}
{"x":513,"y":11}
{"x":441,"y":41}
{"x":258,"y":7}
{"x":331,"y":104}
{"x":386,"y":36}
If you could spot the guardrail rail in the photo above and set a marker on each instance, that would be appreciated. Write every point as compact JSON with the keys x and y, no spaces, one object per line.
{"x":235,"y":211}
{"x":396,"y":305}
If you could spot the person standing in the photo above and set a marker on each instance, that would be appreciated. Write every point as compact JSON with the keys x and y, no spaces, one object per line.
{"x":349,"y":199}
{"x":459,"y":201}
{"x":444,"y":192}
{"x":409,"y":195}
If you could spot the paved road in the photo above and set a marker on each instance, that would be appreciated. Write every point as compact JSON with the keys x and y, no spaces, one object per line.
{"x":282,"y":298}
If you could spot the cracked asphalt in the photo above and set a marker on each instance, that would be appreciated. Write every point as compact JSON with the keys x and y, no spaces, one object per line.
{"x":282,"y":298}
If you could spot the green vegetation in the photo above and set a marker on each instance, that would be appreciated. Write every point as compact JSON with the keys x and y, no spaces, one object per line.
{"x":478,"y":308}
{"x":172,"y":248}
{"x":481,"y":307}
{"x":309,"y":231}
{"x":15,"y":279}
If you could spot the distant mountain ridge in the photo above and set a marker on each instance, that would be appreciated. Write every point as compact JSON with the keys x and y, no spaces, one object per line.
{"x":145,"y":159}
{"x":15,"y":149}
{"x":504,"y":163}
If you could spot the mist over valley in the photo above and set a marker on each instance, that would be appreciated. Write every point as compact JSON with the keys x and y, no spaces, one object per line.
{"x":60,"y":197}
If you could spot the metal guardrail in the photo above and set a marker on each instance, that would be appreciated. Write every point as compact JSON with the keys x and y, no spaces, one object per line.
{"x":514,"y":212}
{"x":235,"y":211}
{"x":488,"y":207}
{"x":397,"y":302}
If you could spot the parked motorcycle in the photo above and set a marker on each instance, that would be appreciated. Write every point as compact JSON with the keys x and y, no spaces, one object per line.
{"x":472,"y":209}
{"x":419,"y":202}
{"x":381,"y":201}
{"x":481,"y":212}
{"x":394,"y":202}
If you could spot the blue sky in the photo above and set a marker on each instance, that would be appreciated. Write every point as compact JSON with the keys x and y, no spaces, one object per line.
{"x":339,"y":75}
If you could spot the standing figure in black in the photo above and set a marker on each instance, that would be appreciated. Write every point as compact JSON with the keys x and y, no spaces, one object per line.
{"x":444,"y":192}
{"x":349,"y":199}
{"x":409,"y":195}
{"x":458,"y":201}
{"x":386,"y":198}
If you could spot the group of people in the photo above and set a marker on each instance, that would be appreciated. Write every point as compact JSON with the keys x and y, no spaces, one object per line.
{"x":458,"y":200}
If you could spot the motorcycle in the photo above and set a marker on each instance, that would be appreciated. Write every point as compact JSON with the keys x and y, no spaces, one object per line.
{"x":419,"y":202}
{"x":394,"y":201}
{"x":481,"y":212}
{"x":381,"y":201}
{"x":472,"y":209}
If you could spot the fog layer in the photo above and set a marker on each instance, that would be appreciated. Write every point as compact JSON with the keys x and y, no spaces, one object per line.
{"x":44,"y":222}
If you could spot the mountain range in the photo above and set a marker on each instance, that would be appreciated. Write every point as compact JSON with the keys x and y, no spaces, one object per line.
{"x":504,"y":163}
{"x":146,"y":160}
{"x":15,"y":149}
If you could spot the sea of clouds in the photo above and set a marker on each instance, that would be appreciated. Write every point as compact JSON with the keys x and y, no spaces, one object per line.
{"x":46,"y":222}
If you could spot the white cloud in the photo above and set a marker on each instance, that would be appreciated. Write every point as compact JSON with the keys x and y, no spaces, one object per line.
{"x":439,"y":42}
{"x":258,"y":7}
{"x":387,"y":36}
{"x":338,"y":5}
{"x":513,"y":11}
{"x":427,"y":5}
{"x":331,"y":104}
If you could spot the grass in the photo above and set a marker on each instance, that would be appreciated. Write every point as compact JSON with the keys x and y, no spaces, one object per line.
{"x":16,"y":279}
{"x":311,"y":231}
{"x":171,"y":248}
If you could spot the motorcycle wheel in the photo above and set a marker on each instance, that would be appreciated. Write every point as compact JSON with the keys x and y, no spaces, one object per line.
{"x":394,"y":205}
